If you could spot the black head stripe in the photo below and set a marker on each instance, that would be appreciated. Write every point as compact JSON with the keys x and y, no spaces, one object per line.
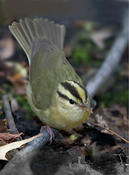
{"x":72,"y":90}
{"x":65,"y":97}
{"x":86,"y":95}
{"x":62,"y":95}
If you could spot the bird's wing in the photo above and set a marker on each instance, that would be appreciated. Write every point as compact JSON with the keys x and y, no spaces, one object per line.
{"x":48,"y":68}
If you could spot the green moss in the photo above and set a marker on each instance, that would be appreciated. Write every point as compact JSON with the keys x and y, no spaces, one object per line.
{"x":122,"y":98}
{"x":82,"y":54}
{"x":115,"y":97}
{"x":83,"y":48}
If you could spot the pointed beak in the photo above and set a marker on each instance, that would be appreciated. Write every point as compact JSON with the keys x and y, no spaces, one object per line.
{"x":85,"y":107}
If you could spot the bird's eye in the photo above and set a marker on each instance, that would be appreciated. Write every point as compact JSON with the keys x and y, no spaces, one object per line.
{"x":71,"y":101}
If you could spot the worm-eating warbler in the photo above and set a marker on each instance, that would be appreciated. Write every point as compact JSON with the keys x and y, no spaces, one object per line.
{"x":55,"y":92}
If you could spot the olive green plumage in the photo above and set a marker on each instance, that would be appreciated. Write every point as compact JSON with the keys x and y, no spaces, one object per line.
{"x":42,"y":42}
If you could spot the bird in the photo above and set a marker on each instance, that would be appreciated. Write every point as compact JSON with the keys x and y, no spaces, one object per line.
{"x":54,"y":91}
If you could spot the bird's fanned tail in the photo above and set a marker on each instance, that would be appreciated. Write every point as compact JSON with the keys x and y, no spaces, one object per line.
{"x":27,"y":30}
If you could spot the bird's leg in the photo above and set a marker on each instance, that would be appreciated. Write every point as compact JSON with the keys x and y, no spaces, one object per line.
{"x":49,"y":130}
{"x":52,"y":136}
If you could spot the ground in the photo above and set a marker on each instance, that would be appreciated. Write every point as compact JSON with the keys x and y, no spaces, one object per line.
{"x":88,"y":149}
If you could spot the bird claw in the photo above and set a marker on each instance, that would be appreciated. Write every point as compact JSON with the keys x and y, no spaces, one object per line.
{"x":49,"y":130}
{"x":52,"y":136}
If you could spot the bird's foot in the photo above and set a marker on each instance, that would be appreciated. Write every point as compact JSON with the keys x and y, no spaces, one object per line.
{"x":52,"y":136}
{"x":49,"y":130}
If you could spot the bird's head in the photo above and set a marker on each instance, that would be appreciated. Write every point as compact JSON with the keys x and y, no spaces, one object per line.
{"x":73,"y":100}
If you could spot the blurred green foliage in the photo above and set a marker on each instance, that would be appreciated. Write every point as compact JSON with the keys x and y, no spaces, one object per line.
{"x":114,"y":97}
{"x":118,"y":93}
{"x":81,"y":54}
{"x":83,"y":47}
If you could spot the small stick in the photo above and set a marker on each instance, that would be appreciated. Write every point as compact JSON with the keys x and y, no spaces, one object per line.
{"x":112,"y":132}
{"x":9,"y":116}
{"x":22,"y":156}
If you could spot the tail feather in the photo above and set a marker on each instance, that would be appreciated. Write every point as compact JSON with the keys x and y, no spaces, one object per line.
{"x":26,"y":31}
{"x":18,"y":33}
{"x":30,"y":28}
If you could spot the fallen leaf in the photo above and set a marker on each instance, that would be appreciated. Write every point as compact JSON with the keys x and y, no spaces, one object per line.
{"x":11,"y":146}
{"x":7,"y":137}
{"x":100,"y":36}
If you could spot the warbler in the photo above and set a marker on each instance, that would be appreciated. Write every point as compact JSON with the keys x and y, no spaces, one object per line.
{"x":55,"y":92}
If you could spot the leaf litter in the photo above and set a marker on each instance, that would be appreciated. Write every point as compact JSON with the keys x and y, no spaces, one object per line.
{"x":94,"y":142}
{"x":14,"y":145}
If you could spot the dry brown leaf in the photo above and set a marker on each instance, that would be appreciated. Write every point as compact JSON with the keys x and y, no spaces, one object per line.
{"x":98,"y":37}
{"x":7,"y":137}
{"x":11,"y":146}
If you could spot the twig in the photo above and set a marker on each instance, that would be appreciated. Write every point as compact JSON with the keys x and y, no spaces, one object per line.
{"x":40,"y":141}
{"x":22,"y":157}
{"x":9,"y":116}
{"x":103,"y":74}
{"x":112,"y":60}
{"x":112,"y":132}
